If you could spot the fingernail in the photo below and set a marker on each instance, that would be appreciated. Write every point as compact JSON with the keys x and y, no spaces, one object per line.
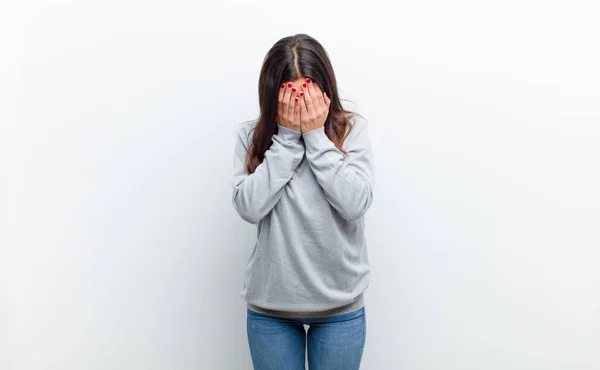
{"x":289,"y":84}
{"x":301,"y":93}
{"x":282,"y":86}
{"x":304,"y":84}
{"x":308,"y":80}
{"x":297,"y":99}
{"x":293,"y":89}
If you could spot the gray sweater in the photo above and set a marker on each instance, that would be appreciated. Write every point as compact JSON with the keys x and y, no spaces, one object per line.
{"x":308,"y":200}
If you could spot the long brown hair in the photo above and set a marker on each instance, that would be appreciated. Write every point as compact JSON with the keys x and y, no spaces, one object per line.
{"x":291,"y":58}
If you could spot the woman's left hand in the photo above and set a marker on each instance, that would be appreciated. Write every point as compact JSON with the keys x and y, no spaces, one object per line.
{"x":314,"y":106}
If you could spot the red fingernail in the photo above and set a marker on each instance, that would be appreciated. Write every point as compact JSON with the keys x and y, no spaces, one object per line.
{"x":301,"y":93}
{"x":282,"y":86}
{"x":296,"y":99}
{"x":293,"y":89}
{"x":290,"y":84}
{"x":304,"y":84}
{"x":308,"y":80}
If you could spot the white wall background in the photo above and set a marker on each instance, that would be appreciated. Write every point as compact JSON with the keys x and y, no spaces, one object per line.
{"x":120,"y":247}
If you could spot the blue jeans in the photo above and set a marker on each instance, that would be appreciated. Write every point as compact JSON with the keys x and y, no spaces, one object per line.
{"x":332,"y":343}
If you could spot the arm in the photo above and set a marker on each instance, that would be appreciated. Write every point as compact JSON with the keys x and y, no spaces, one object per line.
{"x":255,"y":195}
{"x":347,"y":180}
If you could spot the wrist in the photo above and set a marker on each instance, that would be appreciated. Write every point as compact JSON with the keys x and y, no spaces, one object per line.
{"x":307,"y":129}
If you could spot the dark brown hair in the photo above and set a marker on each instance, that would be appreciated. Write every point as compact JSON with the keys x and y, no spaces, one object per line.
{"x":290,"y":58}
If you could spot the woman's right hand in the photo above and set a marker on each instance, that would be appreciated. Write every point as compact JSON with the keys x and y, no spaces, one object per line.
{"x":288,"y":107}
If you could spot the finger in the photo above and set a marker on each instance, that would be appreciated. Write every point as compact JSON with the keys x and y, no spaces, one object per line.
{"x":316,"y":98}
{"x":286,"y":101}
{"x":319,"y":96}
{"x":311,"y":89}
{"x":296,"y":111}
{"x":291,"y":102}
{"x":308,"y":98}
{"x":280,"y":99}
{"x":287,"y":91}
{"x":327,"y":100}
{"x":303,"y":110}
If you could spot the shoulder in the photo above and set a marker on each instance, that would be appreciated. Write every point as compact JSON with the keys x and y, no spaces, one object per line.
{"x":245,"y":130}
{"x":247,"y":127}
{"x":356,"y":122}
{"x":358,"y":125}
{"x":357,"y":136}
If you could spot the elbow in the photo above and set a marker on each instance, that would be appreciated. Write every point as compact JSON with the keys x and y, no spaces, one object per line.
{"x":354,"y":214}
{"x":356,"y":210}
{"x":245,"y":212}
{"x":249,"y":217}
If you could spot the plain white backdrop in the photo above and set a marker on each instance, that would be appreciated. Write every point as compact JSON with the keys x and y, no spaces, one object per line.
{"x":120,"y":246}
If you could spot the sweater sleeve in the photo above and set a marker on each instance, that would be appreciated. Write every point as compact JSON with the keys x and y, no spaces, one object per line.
{"x":347,"y":179}
{"x":255,"y":195}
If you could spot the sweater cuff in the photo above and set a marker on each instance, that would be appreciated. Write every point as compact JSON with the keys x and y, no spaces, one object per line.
{"x":288,"y":134}
{"x":317,"y":139}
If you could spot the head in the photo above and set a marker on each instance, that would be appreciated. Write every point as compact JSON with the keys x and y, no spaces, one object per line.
{"x":293,"y":59}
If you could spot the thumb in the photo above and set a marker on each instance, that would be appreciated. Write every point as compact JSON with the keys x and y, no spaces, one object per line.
{"x":327,"y":100}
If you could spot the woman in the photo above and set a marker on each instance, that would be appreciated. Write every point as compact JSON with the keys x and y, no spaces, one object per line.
{"x":303,"y":172}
